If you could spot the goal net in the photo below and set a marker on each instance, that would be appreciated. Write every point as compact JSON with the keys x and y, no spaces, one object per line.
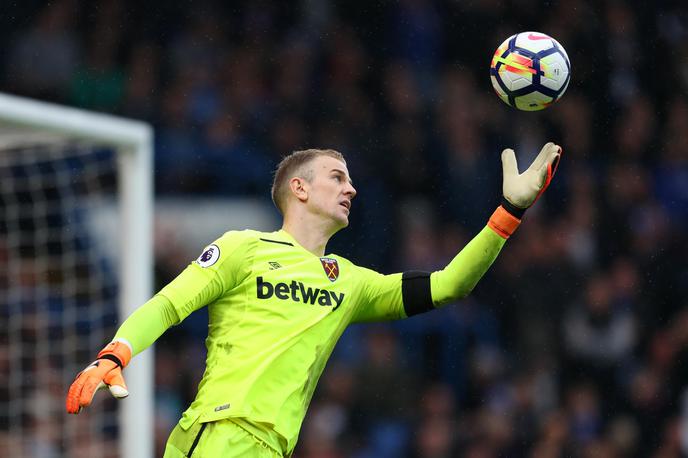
{"x":75,"y":258}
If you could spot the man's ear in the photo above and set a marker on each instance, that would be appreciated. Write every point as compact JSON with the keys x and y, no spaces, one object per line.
{"x":299,"y":187}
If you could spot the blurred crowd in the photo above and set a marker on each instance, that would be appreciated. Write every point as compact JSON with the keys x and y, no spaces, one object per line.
{"x":574,"y":344}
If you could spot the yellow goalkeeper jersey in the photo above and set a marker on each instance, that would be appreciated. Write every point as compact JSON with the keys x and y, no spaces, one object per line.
{"x":276,"y":311}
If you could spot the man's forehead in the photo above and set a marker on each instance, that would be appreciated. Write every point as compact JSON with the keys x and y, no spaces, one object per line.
{"x":328,"y":164}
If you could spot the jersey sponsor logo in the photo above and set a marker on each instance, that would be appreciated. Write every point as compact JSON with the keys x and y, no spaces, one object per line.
{"x":210,"y":255}
{"x":331,"y":268}
{"x":298,"y":292}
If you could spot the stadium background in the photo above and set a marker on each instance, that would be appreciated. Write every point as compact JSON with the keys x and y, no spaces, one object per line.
{"x":575,"y":343}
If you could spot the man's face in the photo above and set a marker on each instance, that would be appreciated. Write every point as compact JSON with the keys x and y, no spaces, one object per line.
{"x":330,"y":190}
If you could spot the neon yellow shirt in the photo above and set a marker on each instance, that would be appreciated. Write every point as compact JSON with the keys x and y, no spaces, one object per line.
{"x":276,"y":311}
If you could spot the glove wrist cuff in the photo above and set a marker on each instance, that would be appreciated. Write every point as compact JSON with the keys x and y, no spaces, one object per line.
{"x":517,"y":212}
{"x":503,"y":222}
{"x":117,"y":351}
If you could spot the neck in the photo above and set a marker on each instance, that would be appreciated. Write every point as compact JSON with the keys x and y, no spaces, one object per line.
{"x":311,"y":233}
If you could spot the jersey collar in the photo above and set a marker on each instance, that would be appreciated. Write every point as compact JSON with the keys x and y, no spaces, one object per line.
{"x":288,"y":238}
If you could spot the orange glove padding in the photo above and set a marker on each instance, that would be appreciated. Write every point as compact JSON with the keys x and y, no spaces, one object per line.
{"x":106,"y":371}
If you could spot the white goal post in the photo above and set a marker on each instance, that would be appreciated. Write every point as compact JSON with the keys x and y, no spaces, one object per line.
{"x":132,"y":142}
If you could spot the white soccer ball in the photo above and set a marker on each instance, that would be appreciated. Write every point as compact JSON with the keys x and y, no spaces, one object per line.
{"x":530,"y":71}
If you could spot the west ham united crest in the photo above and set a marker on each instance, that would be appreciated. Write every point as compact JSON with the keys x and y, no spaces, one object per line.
{"x":331,"y":268}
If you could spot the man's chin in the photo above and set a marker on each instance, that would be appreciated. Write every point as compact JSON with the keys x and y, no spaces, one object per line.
{"x":341,"y":222}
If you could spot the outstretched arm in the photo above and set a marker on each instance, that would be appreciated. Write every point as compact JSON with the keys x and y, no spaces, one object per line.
{"x":400,"y":295}
{"x":519,"y":192}
{"x":216,"y":271}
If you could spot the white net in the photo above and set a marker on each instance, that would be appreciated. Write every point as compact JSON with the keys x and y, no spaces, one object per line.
{"x":58,"y":292}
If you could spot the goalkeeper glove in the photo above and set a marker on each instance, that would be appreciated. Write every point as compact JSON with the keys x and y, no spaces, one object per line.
{"x":520,"y":191}
{"x":106,"y":371}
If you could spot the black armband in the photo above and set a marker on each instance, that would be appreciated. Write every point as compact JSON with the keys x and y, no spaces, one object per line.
{"x":415,"y":292}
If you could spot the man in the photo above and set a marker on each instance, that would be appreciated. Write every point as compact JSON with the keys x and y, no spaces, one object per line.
{"x":277,"y":305}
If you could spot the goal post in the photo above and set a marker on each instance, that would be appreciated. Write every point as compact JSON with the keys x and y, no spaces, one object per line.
{"x":132,"y":143}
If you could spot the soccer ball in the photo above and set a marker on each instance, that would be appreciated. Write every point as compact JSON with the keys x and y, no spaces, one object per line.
{"x":530,"y":71}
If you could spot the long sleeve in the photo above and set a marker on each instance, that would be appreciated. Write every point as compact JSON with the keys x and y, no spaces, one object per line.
{"x":147,"y":323}
{"x":218,"y":269}
{"x":461,"y":275}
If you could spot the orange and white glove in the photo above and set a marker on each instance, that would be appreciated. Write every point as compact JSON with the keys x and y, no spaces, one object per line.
{"x":520,"y":191}
{"x":105,"y":371}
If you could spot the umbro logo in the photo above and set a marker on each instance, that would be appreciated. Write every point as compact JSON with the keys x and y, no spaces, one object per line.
{"x":274,"y":265}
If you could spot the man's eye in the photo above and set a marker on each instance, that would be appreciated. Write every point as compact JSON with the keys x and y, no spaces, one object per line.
{"x":338,"y":178}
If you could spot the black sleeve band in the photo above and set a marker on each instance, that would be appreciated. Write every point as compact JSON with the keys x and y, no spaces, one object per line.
{"x":415,"y":291}
{"x":112,"y":358}
{"x":513,"y":209}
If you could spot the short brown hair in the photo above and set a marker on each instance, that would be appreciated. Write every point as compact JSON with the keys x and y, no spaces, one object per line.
{"x":291,"y":166}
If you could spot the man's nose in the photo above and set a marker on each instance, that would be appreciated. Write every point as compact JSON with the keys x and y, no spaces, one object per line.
{"x":351,"y":191}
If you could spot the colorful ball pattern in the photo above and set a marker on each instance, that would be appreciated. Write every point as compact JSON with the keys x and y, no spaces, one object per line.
{"x":530,"y":71}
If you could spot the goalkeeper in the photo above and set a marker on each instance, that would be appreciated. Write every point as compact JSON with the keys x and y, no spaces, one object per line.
{"x":277,"y":305}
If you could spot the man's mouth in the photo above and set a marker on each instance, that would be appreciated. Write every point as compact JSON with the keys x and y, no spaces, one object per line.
{"x":346,"y":204}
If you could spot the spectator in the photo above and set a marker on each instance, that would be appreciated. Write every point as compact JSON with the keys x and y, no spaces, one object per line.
{"x":44,"y":58}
